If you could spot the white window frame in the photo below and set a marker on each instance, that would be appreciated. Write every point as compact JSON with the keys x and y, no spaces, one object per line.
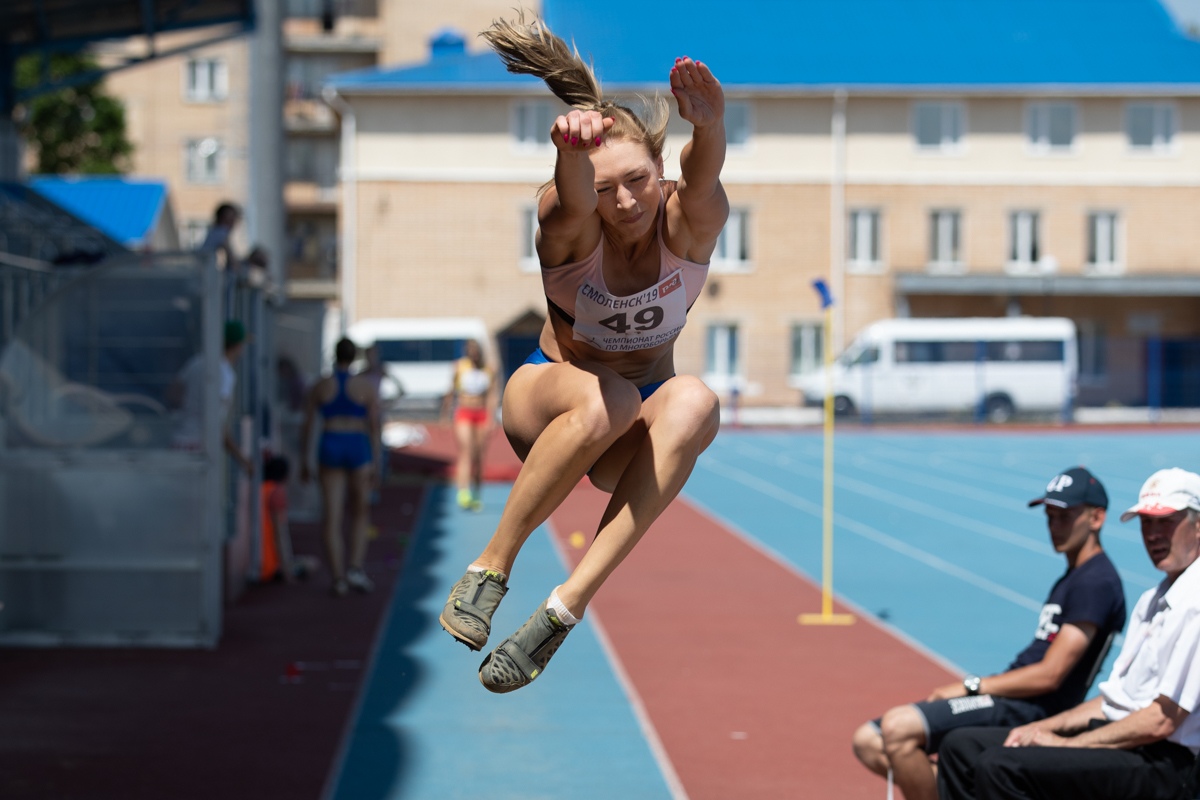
{"x":952,"y":119}
{"x":207,"y":149}
{"x":1104,"y":227}
{"x":946,"y":232}
{"x":807,"y":347}
{"x":192,"y":233}
{"x":732,"y":254}
{"x":1164,"y":125}
{"x":529,"y":135}
{"x":739,"y":125}
{"x":1025,"y":246}
{"x":206,"y":79}
{"x":864,"y":240}
{"x":528,"y":261}
{"x":1038,"y":123}
{"x":722,"y":356}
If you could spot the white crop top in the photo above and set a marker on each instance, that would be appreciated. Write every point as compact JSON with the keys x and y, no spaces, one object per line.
{"x":647,"y":319}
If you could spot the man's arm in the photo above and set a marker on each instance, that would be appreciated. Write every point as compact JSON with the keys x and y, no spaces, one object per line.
{"x":1153,"y":723}
{"x":1032,"y":680}
{"x":1065,"y":723}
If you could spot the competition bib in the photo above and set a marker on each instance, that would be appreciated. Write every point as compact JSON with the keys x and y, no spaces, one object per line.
{"x":620,"y":324}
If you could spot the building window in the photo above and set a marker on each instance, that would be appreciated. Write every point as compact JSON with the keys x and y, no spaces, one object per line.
{"x":206,"y":80}
{"x":737,"y":124}
{"x":531,"y":124}
{"x":864,"y":241}
{"x":1051,"y":126}
{"x":1103,"y":239}
{"x":938,"y":126}
{"x":945,"y":241}
{"x":205,"y":160}
{"x":1150,"y":126}
{"x":1024,"y":240}
{"x":733,"y":245}
{"x":722,"y":364}
{"x":808,"y":347}
{"x":192,"y":233}
{"x":529,"y":225}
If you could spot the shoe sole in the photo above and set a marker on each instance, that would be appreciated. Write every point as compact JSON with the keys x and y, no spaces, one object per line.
{"x":459,"y":637}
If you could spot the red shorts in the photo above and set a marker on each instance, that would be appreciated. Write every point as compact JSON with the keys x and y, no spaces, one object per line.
{"x":477,"y":417}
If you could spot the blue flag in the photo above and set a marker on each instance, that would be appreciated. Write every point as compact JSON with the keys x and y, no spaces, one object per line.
{"x":823,"y":290}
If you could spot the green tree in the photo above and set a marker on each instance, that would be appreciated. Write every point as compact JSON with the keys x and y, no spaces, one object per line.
{"x":78,"y":129}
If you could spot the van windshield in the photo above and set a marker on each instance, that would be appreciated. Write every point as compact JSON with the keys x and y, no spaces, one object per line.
{"x":860,"y":354}
{"x":410,"y":350}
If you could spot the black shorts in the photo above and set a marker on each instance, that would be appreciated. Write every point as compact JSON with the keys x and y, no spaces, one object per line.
{"x":942,"y":716}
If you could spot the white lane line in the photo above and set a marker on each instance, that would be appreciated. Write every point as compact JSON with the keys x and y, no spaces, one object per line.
{"x":635,"y":700}
{"x":875,"y":535}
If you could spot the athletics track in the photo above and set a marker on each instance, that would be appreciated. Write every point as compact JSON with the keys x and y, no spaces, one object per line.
{"x":722,"y":694}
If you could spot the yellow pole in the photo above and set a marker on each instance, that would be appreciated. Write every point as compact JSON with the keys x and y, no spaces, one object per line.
{"x":827,"y":617}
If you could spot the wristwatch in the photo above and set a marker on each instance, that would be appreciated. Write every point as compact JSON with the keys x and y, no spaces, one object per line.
{"x":971,"y":683}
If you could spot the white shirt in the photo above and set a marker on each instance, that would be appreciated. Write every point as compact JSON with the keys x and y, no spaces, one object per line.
{"x":189,"y":432}
{"x":1161,"y":656}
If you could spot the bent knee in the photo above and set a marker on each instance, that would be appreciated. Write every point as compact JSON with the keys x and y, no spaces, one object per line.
{"x":868,"y":745}
{"x":693,"y":405}
{"x":902,"y":727}
{"x":608,"y":412}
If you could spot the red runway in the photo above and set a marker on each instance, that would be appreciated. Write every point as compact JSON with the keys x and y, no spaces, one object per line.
{"x":748,"y":703}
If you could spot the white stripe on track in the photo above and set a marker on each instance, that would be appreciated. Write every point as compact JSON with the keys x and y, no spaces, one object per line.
{"x":635,"y":701}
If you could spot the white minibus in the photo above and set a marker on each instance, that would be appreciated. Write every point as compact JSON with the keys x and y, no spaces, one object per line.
{"x":419,"y":353}
{"x":991,"y":366}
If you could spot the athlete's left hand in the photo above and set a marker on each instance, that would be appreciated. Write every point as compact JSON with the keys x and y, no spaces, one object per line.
{"x":698,"y":93}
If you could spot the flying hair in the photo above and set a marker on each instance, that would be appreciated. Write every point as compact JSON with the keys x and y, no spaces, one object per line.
{"x":530,"y":48}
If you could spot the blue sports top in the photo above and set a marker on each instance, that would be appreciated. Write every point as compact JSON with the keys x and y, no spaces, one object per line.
{"x":341,"y":405}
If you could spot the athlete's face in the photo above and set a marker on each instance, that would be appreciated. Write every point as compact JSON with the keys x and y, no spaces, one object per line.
{"x":1173,"y":541}
{"x":1071,"y":527}
{"x":626,"y":187}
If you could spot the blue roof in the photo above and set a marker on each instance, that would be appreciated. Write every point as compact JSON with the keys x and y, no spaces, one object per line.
{"x":125,"y":209}
{"x":806,"y":45}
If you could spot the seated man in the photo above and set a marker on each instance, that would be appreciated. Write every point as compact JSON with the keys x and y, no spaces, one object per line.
{"x":1139,"y":737}
{"x":1085,"y":606}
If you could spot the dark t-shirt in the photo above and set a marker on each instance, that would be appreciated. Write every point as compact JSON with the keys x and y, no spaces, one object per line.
{"x":1090,"y":593}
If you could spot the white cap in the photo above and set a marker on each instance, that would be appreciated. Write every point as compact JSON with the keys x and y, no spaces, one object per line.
{"x":1165,"y":492}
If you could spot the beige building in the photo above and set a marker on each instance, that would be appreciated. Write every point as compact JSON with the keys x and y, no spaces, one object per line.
{"x":1035,"y":201}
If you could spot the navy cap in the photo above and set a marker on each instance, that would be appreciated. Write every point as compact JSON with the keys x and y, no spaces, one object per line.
{"x":1073,"y":487}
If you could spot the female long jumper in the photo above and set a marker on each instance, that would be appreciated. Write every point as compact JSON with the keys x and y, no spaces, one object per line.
{"x":624,"y":254}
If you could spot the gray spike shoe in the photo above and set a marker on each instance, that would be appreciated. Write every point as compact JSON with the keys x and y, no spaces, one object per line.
{"x":467,"y":615}
{"x":523,"y":656}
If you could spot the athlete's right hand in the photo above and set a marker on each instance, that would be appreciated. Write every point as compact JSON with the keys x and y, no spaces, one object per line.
{"x":579,"y":130}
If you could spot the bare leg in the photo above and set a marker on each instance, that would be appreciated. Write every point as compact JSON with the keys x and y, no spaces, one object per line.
{"x":903,"y":740}
{"x":650,"y":464}
{"x":333,"y":495}
{"x":360,"y":496}
{"x":868,"y":748}
{"x":479,"y":436}
{"x":560,"y":418}
{"x":462,"y":464}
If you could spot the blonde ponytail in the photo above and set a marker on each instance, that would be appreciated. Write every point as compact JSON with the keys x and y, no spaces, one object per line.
{"x":531,"y":49}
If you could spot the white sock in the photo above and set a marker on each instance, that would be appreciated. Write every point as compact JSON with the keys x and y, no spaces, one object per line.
{"x":474,"y":568}
{"x":560,"y":610}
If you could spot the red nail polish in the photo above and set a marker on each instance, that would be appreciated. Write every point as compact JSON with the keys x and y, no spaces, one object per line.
{"x":597,"y":141}
{"x":574,"y":140}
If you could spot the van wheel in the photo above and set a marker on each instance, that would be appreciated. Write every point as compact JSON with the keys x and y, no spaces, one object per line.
{"x":998,"y":409}
{"x":843,"y":406}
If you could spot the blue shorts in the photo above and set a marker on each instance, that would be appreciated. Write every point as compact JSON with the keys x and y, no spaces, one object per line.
{"x":538,"y":357}
{"x":344,"y":449}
